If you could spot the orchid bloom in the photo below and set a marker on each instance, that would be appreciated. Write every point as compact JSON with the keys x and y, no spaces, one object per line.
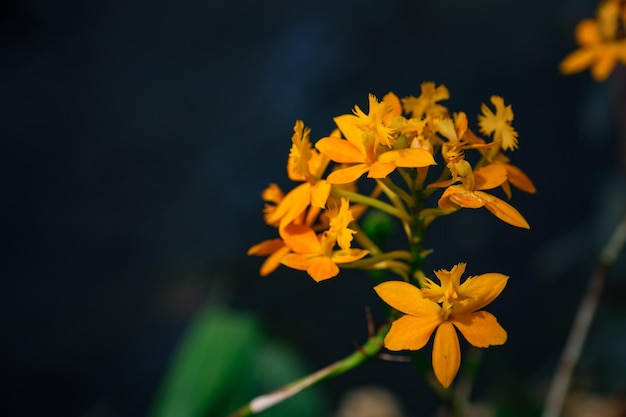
{"x":315,"y":254}
{"x":485,"y":178}
{"x":426,"y":103}
{"x":499,"y":123}
{"x":602,"y":43}
{"x":367,"y":147}
{"x":440,"y":309}
{"x":276,"y":249}
{"x":307,"y":165}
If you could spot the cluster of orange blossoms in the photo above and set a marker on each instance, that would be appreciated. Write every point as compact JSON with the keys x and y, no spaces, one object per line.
{"x":602,"y":42}
{"x":400,"y":139}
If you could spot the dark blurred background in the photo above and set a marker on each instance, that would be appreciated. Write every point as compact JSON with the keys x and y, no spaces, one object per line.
{"x":138,"y":137}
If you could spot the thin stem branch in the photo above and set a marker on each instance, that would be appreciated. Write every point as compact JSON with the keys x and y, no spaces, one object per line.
{"x":580,"y":328}
{"x":368,"y":350}
{"x":372,"y":202}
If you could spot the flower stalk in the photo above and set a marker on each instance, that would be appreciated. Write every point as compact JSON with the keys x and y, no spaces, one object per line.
{"x":368,"y":350}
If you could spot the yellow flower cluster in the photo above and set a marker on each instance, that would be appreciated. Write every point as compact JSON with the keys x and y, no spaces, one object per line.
{"x":400,"y":140}
{"x":602,"y":42}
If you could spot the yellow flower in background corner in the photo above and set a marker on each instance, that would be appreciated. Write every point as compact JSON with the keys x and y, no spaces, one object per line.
{"x":499,"y":123}
{"x":441,"y":309}
{"x":602,"y":42}
{"x":315,"y":254}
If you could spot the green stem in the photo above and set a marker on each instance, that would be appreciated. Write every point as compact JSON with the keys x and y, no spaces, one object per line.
{"x":372,"y":202}
{"x":369,"y":349}
{"x":393,"y":192}
{"x":393,"y":255}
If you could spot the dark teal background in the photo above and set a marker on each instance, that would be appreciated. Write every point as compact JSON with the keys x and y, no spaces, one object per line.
{"x":138,"y":136}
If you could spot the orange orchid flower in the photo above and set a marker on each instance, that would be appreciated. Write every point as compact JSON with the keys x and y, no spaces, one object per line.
{"x":315,"y":254}
{"x":367,"y":147}
{"x":441,"y":309}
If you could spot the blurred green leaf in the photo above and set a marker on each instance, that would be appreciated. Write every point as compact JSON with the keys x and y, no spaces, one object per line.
{"x":378,"y":226}
{"x":211,"y":366}
{"x":278,"y":365}
{"x":223,"y":362}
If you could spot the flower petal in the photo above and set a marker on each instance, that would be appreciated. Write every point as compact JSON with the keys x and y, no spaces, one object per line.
{"x":481,"y":329}
{"x":340,"y":150}
{"x":381,"y":169}
{"x":588,"y":32}
{"x":604,"y":65}
{"x":503,"y":210}
{"x":273,"y":261}
{"x":578,"y":60}
{"x":322,"y":268}
{"x":347,"y":175}
{"x":299,"y":261}
{"x":301,"y":239}
{"x":349,"y":255}
{"x":408,"y":158}
{"x":406,"y":298}
{"x":410,"y":332}
{"x":266,"y":247}
{"x":446,"y":354}
{"x":348,"y":124}
{"x":291,"y":206}
{"x":320,"y":193}
{"x":489,"y":176}
{"x":467,"y":199}
{"x":519,"y":179}
{"x":479,"y":291}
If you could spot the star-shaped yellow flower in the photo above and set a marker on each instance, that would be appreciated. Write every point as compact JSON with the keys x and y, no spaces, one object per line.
{"x":499,"y":123}
{"x":440,"y":309}
{"x":426,"y":103}
{"x":602,"y":42}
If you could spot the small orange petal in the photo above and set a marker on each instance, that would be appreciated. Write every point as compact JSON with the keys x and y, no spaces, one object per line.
{"x":297,"y":261}
{"x":578,"y":60}
{"x":340,"y":150}
{"x":406,"y":298}
{"x":349,"y":255}
{"x":468,"y":199}
{"x":480,"y":291}
{"x":503,"y":210}
{"x":291,"y":206}
{"x":266,"y":247}
{"x":273,"y":261}
{"x":396,"y":108}
{"x":408,"y":158}
{"x":347,"y":123}
{"x":381,"y":169}
{"x":604,"y":65}
{"x":481,"y":329}
{"x":320,"y":193}
{"x":490,"y":176}
{"x":322,"y":268}
{"x":301,"y":239}
{"x":347,"y":175}
{"x":588,"y":33}
{"x":519,"y":179}
{"x":446,"y":354}
{"x":410,"y":332}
